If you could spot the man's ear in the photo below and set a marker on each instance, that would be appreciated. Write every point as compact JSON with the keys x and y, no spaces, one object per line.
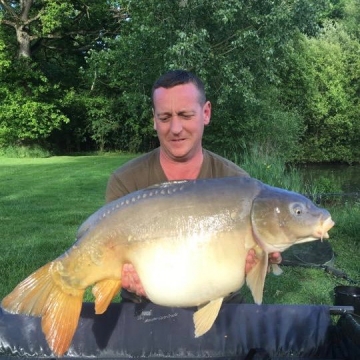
{"x":153,"y":112}
{"x":207,"y":112}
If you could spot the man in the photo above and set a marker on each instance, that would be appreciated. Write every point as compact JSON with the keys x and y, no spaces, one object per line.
{"x":180,"y":113}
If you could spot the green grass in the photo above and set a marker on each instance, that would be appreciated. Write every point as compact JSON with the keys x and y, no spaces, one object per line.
{"x":44,"y":201}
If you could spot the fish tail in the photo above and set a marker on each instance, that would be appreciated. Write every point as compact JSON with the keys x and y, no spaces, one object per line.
{"x":43,"y":295}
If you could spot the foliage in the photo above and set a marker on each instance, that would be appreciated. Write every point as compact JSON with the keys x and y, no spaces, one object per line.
{"x":42,"y":47}
{"x":265,"y":164}
{"x":245,"y":40}
{"x":327,"y":185}
{"x":33,"y":151}
{"x":28,"y":112}
{"x":283,"y":74}
{"x":48,"y":25}
{"x":4,"y":60}
{"x":351,"y":17}
{"x":325,"y":94}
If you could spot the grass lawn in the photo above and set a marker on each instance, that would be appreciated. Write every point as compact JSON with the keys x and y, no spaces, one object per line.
{"x":44,"y":201}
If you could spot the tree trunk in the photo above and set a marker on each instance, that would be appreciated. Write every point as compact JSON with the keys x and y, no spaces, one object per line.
{"x":23,"y":39}
{"x":20,"y":22}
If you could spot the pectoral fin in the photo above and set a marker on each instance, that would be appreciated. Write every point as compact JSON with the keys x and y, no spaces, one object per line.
{"x":255,"y":279}
{"x":205,"y":317}
{"x":104,"y":291}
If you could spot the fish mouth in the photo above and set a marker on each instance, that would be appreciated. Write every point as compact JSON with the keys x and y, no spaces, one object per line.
{"x":321,"y":232}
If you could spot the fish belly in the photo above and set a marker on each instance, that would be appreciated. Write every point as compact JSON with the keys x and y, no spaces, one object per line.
{"x":190,"y":271}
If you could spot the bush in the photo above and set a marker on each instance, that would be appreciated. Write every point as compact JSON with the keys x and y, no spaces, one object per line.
{"x":33,"y":151}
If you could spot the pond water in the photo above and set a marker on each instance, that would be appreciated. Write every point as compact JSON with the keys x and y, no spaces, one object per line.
{"x":346,"y":177}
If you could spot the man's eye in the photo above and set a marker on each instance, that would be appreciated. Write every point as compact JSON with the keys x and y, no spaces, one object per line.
{"x":186,"y":116}
{"x":163,"y":119}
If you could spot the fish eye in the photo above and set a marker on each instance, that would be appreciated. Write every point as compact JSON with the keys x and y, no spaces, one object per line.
{"x":297,"y":209}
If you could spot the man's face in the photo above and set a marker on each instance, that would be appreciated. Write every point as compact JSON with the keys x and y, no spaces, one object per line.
{"x":179,"y":120}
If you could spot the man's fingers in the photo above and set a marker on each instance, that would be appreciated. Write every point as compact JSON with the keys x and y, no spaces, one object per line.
{"x":130,"y":280}
{"x":251,"y":259}
{"x":275,"y":258}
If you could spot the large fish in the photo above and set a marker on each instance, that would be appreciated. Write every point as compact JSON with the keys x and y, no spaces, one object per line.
{"x":188,"y":242}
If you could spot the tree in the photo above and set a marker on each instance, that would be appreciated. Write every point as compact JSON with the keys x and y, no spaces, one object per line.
{"x":323,"y":85}
{"x":57,"y":25}
{"x":351,"y":18}
{"x":29,"y":107}
{"x":236,"y":47}
{"x":45,"y":43}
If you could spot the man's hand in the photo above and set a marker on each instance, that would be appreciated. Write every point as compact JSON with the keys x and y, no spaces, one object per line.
{"x":251,"y":259}
{"x":275,"y":258}
{"x":130,"y":279}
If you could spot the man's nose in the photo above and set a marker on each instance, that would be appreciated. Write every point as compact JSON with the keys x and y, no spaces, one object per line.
{"x":176,"y":125}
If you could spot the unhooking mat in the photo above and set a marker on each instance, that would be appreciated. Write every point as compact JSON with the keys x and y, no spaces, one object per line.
{"x":241,"y":331}
{"x":310,"y":254}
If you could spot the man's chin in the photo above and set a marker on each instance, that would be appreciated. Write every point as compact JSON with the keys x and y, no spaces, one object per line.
{"x":179,"y":154}
{"x":181,"y":157}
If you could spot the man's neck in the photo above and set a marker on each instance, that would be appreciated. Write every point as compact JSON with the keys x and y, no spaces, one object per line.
{"x":182,"y":170}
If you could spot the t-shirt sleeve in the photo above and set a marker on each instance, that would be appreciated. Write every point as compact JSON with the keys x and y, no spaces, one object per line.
{"x":215,"y":166}
{"x":115,"y":188}
{"x":137,"y":174}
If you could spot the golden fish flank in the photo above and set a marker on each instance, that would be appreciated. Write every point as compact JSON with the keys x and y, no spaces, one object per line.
{"x":188,"y":242}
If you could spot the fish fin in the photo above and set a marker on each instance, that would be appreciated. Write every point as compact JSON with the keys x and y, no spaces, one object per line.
{"x":205,"y":317}
{"x":42,"y":294}
{"x":255,"y":279}
{"x":104,"y":291}
{"x":276,"y":269}
{"x":31,"y":295}
{"x":60,"y":322}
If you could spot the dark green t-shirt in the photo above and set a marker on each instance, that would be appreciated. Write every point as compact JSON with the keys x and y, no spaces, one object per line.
{"x":146,"y":170}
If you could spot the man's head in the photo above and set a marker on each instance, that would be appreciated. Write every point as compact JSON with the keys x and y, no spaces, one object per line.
{"x":179,"y":77}
{"x":180,"y":114}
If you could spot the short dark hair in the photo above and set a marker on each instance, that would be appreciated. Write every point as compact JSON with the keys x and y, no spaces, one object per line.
{"x":179,"y":77}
